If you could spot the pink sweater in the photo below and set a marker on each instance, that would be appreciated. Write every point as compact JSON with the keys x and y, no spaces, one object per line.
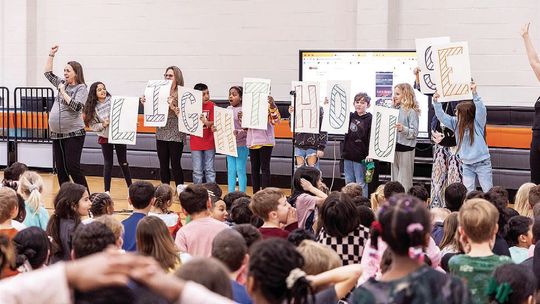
{"x":196,"y":237}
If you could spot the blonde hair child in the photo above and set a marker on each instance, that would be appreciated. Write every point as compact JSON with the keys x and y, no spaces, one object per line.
{"x":31,"y":188}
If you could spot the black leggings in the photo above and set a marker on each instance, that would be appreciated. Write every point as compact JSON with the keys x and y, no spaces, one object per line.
{"x":535,"y":158}
{"x":170,"y":151}
{"x":67,"y":156}
{"x":121,"y":154}
{"x":260,"y":167}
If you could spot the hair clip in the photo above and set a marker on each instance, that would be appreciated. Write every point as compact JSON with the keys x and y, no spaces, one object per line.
{"x":376,"y":226}
{"x":416,"y":253}
{"x":500,"y":291}
{"x":294,"y":275}
{"x":414,"y":227}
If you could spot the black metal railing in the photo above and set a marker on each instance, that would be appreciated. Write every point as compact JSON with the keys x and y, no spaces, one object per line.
{"x":4,"y":107}
{"x":31,"y":108}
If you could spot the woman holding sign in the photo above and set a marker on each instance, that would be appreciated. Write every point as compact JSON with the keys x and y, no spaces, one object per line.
{"x":97,"y":117}
{"x":534,"y":61}
{"x":66,"y":126}
{"x":169,"y":140}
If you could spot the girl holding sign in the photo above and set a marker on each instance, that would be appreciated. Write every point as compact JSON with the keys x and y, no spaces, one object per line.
{"x":261,"y":144}
{"x":469,"y":127}
{"x":66,"y":125}
{"x":407,"y":127}
{"x":236,"y":166}
{"x":534,"y":61}
{"x":97,"y":117}
{"x":169,"y":139}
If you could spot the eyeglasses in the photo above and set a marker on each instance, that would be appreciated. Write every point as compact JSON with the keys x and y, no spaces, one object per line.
{"x":168,"y":75}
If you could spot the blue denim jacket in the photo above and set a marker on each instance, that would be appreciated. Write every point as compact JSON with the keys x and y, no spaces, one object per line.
{"x":479,"y":150}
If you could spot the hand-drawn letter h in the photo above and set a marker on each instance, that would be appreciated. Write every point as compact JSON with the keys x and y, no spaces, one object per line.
{"x":257,"y":91}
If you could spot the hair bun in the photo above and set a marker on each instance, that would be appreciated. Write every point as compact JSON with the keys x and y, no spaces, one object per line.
{"x":29,"y":253}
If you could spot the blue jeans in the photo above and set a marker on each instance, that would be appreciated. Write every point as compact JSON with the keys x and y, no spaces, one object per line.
{"x":482,"y":170}
{"x":304,"y":154}
{"x":355,"y":172}
{"x":236,"y":167}
{"x":203,"y":162}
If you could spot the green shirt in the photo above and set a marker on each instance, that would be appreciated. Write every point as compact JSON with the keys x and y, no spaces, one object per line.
{"x":476,"y":271}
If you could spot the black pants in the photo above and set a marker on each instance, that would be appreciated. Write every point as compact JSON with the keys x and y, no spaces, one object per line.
{"x":535,"y":158}
{"x":260,"y":163}
{"x":170,"y":151}
{"x":121,"y":154}
{"x":67,"y":156}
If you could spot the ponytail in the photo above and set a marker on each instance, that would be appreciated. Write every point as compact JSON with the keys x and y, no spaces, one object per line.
{"x":299,"y":288}
{"x":30,"y":187}
{"x":416,"y":235}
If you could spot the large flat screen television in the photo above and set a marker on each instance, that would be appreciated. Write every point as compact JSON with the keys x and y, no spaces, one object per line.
{"x":373,"y":72}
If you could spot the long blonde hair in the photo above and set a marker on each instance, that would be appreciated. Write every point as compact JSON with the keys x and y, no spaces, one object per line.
{"x":377,"y":198}
{"x":409,"y":99}
{"x":521,"y":202}
{"x":30,"y":188}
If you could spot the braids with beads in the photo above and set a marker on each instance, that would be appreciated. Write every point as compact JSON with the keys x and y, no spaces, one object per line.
{"x":102,"y":204}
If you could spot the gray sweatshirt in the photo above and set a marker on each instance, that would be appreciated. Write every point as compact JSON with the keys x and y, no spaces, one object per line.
{"x":65,"y":120}
{"x":103,"y":111}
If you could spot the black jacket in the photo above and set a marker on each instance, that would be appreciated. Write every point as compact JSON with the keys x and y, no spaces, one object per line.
{"x":356,"y":143}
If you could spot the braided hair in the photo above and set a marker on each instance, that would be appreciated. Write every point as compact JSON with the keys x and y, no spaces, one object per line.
{"x":274,"y":266}
{"x":102,"y":204}
{"x":164,"y":194}
{"x":31,"y":246}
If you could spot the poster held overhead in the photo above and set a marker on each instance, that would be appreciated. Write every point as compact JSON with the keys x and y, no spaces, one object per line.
{"x":123,"y":124}
{"x":452,"y":71}
{"x":425,"y":56}
{"x":337,"y":112}
{"x":156,"y":107}
{"x":382,"y":141}
{"x":255,"y":103}
{"x":224,"y":134}
{"x":190,"y":105}
{"x":305,"y":118}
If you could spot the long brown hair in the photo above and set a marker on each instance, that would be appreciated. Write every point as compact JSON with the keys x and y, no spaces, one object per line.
{"x":450,"y":227}
{"x":465,"y":116}
{"x":77,"y":68}
{"x":91,"y":102}
{"x":154,"y":239}
{"x":179,"y":78}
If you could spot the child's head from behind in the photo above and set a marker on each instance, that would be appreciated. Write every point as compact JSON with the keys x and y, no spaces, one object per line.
{"x":420,"y":192}
{"x":250,"y":234}
{"x":9,"y":204}
{"x":204,"y":89}
{"x":367,"y":216}
{"x":404,"y":222}
{"x":392,"y":188}
{"x":439,"y":214}
{"x":102,"y":204}
{"x":209,"y":272}
{"x":353,"y":190}
{"x":154,"y":239}
{"x":116,"y":227}
{"x":230,"y":197}
{"x":32,"y":246}
{"x":279,"y":281}
{"x":13,"y":173}
{"x":235,"y":95}
{"x":311,"y":174}
{"x":519,"y":231}
{"x":194,"y":199}
{"x":240,"y":211}
{"x":521,"y":200}
{"x":298,"y":235}
{"x":230,"y":248}
{"x":318,"y":257}
{"x":141,"y":194}
{"x":270,"y":204}
{"x":339,"y":215}
{"x":164,"y":195}
{"x":454,"y":196}
{"x":30,"y":188}
{"x":377,"y":198}
{"x":91,"y":238}
{"x":512,"y":283}
{"x":478,"y":220}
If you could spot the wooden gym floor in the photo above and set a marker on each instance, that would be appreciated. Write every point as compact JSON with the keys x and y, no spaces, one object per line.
{"x":119,"y":192}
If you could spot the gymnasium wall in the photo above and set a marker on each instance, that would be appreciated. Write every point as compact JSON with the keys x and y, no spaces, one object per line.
{"x":125,"y":43}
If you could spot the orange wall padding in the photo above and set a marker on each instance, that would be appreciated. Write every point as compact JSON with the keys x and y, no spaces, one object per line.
{"x":518,"y":137}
